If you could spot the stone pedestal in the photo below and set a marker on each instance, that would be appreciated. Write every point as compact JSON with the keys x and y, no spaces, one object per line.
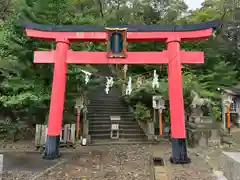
{"x":214,"y":139}
{"x":88,"y":139}
{"x":238,"y":120}
{"x":203,"y":134}
{"x":150,"y":130}
{"x":85,"y":127}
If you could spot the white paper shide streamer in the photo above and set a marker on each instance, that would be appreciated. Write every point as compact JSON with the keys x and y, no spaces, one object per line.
{"x":155,"y":83}
{"x":129,"y":86}
{"x":87,"y":76}
{"x":109,"y":84}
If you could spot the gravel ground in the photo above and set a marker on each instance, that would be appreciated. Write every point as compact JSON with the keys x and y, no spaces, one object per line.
{"x":198,"y":169}
{"x":117,"y":162}
{"x":16,"y":175}
{"x":121,"y":162}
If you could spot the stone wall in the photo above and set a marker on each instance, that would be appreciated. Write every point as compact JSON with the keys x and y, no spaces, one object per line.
{"x":230,"y":165}
{"x":147,"y":127}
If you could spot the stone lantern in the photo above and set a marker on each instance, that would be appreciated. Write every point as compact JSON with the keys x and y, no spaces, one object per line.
{"x":158,"y":103}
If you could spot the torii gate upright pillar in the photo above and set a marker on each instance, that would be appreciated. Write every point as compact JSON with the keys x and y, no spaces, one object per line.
{"x":176,"y":103}
{"x":57,"y":99}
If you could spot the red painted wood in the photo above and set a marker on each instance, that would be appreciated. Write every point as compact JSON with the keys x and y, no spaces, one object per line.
{"x":131,"y":36}
{"x":44,"y":57}
{"x":75,"y":57}
{"x":191,"y":57}
{"x":58,"y":89}
{"x":175,"y":91}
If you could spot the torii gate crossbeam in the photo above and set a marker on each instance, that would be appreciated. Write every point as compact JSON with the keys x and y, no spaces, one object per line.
{"x":173,"y":56}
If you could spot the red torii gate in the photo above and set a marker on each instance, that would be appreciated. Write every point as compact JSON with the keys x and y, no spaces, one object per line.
{"x":173,"y":56}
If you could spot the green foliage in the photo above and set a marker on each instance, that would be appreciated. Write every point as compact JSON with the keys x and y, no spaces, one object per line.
{"x":142,"y":112}
{"x":26,"y":87}
{"x":10,"y":130}
{"x":216,"y":111}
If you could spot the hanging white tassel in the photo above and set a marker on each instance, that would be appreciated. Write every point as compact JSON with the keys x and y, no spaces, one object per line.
{"x":109,"y":84}
{"x":111,"y":81}
{"x":129,"y":86}
{"x":87,"y":76}
{"x":155,"y":83}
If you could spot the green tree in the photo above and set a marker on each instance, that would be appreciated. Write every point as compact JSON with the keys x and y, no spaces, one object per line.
{"x":26,"y":87}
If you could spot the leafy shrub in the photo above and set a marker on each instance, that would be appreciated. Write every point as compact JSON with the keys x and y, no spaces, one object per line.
{"x":142,"y":112}
{"x":10,"y":130}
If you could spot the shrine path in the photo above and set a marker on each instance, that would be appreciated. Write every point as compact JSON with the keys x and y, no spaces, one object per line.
{"x":112,"y":162}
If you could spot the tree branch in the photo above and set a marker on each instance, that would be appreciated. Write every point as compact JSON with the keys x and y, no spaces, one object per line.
{"x":101,"y":8}
{"x":5,"y":5}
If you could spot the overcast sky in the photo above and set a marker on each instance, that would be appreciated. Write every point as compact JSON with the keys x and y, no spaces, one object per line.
{"x":193,"y":4}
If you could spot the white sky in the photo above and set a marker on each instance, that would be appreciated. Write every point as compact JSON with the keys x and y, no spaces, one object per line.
{"x":193,"y":4}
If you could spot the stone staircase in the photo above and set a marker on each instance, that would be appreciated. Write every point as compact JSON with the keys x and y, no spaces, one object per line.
{"x":101,"y":107}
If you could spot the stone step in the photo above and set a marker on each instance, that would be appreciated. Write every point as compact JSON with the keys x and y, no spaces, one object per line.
{"x":119,"y":142}
{"x":123,"y":121}
{"x":107,"y":99}
{"x":108,"y":126}
{"x":107,"y":106}
{"x":109,"y":113}
{"x":92,"y":123}
{"x":113,"y":98}
{"x":102,"y":107}
{"x":104,"y":114}
{"x":121,"y":130}
{"x":120,"y":110}
{"x":101,"y":90}
{"x":97,"y":102}
{"x":121,"y":135}
{"x":107,"y":103}
{"x":103,"y":95}
{"x":107,"y":119}
{"x":109,"y":96}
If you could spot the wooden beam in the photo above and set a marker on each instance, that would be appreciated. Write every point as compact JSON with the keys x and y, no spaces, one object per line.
{"x":75,"y":57}
{"x":131,"y":36}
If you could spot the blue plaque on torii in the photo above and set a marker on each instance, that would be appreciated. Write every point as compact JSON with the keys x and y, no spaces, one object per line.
{"x":116,"y":42}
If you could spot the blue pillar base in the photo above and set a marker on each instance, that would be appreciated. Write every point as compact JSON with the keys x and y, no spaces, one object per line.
{"x":52,"y":148}
{"x":179,"y":152}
